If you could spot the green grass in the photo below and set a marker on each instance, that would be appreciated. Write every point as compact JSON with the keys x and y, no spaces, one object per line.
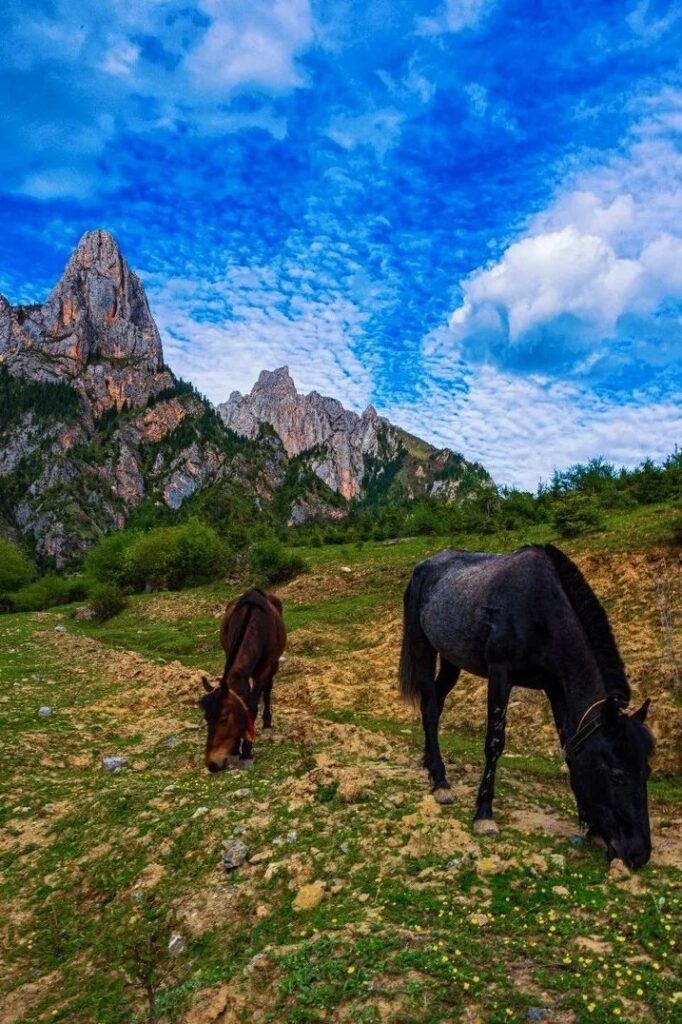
{"x":98,"y":869}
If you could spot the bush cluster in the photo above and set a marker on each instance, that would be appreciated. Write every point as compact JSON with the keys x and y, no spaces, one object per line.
{"x":106,"y":600}
{"x":272,"y":562}
{"x":167,"y":558}
{"x":47,"y":592}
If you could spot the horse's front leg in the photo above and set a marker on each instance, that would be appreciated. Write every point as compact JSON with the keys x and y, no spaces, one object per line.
{"x":246,"y":756}
{"x":498,"y":699}
{"x":267,"y":701}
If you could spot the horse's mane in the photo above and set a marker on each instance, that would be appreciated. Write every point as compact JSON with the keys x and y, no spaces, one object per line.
{"x":594,"y":621}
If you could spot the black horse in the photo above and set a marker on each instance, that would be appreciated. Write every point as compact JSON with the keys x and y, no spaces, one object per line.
{"x":530,"y":619}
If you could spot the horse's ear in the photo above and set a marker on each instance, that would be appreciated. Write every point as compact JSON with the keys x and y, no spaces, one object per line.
{"x":206,"y":684}
{"x":610,"y":712}
{"x":641,"y":713}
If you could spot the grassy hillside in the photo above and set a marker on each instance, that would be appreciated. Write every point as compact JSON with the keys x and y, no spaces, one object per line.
{"x":411,"y":918}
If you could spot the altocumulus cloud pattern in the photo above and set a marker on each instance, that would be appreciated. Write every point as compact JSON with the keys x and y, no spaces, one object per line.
{"x":468,"y":213}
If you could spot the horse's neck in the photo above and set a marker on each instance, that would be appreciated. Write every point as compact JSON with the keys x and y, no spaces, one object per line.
{"x":579,"y":685}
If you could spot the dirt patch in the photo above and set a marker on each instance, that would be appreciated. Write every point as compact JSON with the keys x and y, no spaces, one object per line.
{"x":18,"y":1004}
{"x":205,"y":910}
{"x":534,"y":821}
{"x":318,"y":588}
{"x":170,"y":608}
{"x":141,"y":686}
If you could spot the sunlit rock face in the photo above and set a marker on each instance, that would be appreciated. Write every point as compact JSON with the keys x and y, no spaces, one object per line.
{"x":94,"y":330}
{"x":83,"y":472}
{"x":339,"y":440}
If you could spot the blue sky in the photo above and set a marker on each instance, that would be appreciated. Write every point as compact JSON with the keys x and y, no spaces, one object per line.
{"x":467,"y":212}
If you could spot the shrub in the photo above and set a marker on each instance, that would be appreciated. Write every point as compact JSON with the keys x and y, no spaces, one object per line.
{"x":106,"y":600}
{"x":106,"y":562}
{"x":15,"y":569}
{"x":577,"y":514}
{"x":271,"y":562}
{"x":171,"y":557}
{"x":47,"y":592}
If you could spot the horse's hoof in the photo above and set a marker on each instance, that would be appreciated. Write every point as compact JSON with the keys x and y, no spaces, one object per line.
{"x":231,"y":760}
{"x":266,"y":734}
{"x":443,"y":795}
{"x":245,"y":763}
{"x":485,"y":827}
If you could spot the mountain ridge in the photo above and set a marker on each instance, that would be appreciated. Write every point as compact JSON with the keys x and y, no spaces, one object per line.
{"x":347,"y":443}
{"x":94,"y":427}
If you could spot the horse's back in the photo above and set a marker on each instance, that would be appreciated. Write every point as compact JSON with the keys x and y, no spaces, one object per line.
{"x":468,"y":597}
{"x":272,"y":631}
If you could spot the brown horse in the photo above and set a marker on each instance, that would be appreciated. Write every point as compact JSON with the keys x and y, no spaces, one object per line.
{"x":253,"y":636}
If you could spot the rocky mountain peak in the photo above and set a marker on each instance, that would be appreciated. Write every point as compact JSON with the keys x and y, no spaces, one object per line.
{"x":95,"y":330}
{"x":315,"y":423}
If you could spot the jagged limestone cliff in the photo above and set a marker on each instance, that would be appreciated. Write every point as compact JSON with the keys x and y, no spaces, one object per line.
{"x":354,"y":455}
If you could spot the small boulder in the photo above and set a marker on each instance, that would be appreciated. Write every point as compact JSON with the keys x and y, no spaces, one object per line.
{"x":235,"y":854}
{"x":112,"y":764}
{"x":242,"y":794}
{"x":176,"y":945}
{"x":308,"y":897}
{"x":60,"y":629}
{"x":44,"y":712}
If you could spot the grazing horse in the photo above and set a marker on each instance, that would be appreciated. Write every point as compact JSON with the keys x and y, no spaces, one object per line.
{"x":530,"y":619}
{"x":253,"y":636}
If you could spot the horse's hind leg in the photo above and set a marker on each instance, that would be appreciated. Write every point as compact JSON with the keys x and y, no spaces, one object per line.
{"x":498,"y":699}
{"x":446,"y":679}
{"x":430,"y":709}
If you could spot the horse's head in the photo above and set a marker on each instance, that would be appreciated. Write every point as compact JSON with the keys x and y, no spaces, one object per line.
{"x":224,"y":726}
{"x":609,"y":773}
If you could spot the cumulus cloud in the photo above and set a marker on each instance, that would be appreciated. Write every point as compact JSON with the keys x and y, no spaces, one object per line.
{"x":605,"y":255}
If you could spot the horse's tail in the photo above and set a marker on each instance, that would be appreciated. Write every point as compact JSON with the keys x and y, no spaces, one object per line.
{"x":415,"y":647}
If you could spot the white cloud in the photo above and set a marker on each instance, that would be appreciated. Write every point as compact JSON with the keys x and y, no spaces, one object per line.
{"x":251,"y":44}
{"x":457,"y":16}
{"x":378,"y":129}
{"x":523,"y":428}
{"x":608,"y":248}
{"x":88,"y":73}
{"x":461,"y":14}
{"x":547,"y":275}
